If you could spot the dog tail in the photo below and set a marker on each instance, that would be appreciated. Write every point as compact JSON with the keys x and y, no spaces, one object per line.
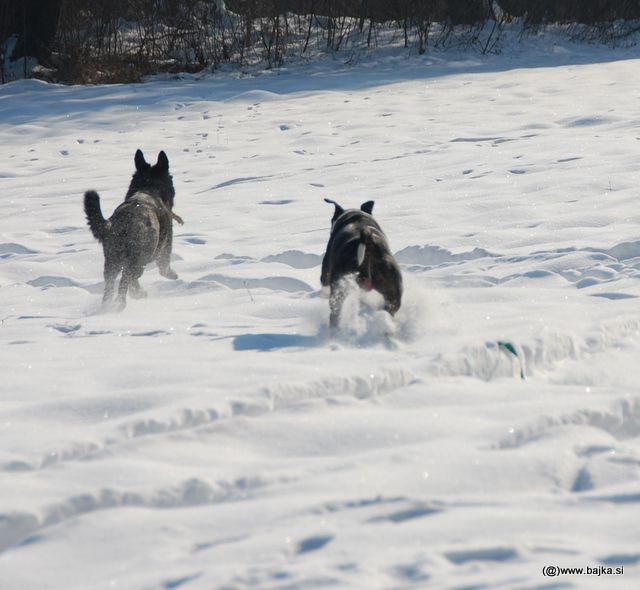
{"x":366,"y":243}
{"x":97,"y":223}
{"x":362,"y":250}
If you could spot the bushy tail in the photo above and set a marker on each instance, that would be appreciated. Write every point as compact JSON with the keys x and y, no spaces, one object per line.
{"x":97,"y":223}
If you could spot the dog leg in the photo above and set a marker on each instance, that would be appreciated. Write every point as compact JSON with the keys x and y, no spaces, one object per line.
{"x":167,"y":272}
{"x":325,"y":272}
{"x":121,"y":300}
{"x":130,"y":276}
{"x":391,"y":299}
{"x":391,"y":307}
{"x":164,"y":254}
{"x":336,"y":299}
{"x":137,"y":292}
{"x":110,"y":273}
{"x":164,"y":258}
{"x":389,"y":284}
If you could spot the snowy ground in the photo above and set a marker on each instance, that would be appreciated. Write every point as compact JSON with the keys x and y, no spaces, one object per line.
{"x":214,"y":437}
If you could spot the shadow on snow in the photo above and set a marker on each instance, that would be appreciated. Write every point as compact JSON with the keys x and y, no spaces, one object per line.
{"x":267,"y":342}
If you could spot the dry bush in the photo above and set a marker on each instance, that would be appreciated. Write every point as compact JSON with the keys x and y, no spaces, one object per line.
{"x":124,"y":40}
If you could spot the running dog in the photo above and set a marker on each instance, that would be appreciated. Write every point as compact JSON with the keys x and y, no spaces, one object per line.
{"x":139,"y":231}
{"x":357,"y":246}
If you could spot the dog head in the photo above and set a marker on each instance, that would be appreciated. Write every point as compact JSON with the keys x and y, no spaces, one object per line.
{"x":154,"y":180}
{"x":338,"y":211}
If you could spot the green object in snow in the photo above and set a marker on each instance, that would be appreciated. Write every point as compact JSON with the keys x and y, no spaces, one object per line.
{"x":391,"y":341}
{"x":512,"y":350}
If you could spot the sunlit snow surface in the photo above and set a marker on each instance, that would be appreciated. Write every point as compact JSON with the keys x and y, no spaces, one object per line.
{"x":214,"y":435}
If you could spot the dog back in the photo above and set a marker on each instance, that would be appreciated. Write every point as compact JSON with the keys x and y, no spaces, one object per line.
{"x":349,"y":230}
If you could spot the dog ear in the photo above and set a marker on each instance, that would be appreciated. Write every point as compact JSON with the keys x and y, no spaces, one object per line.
{"x":141,"y":163}
{"x":163,"y":162}
{"x":367,"y":207}
{"x":338,"y":210}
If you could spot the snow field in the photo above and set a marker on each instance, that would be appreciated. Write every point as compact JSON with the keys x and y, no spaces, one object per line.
{"x":215,"y":436}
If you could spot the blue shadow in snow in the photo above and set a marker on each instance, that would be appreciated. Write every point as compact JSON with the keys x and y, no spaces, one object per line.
{"x":267,"y":342}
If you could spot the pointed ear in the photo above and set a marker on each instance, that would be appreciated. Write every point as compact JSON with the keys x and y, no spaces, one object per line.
{"x":163,"y":162}
{"x":338,"y":210}
{"x":367,"y":207}
{"x":140,"y":161}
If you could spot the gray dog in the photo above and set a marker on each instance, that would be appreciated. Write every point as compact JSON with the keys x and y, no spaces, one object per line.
{"x":139,"y":231}
{"x":357,"y":246}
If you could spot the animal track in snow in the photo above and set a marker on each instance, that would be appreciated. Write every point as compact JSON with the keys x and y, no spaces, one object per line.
{"x":435,"y":255}
{"x":64,"y":230}
{"x":313,"y":543}
{"x":621,"y":421}
{"x":621,"y":559}
{"x":583,"y":268}
{"x":484,"y":554}
{"x":419,"y":510}
{"x":241,"y":180}
{"x":270,"y":399}
{"x":18,"y":527}
{"x":288,"y":284}
{"x":47,"y":282}
{"x":10,"y":249}
{"x":295,"y":259}
{"x":276,"y":202}
{"x":193,"y":239}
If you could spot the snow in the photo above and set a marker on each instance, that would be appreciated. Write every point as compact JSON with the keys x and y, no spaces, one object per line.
{"x":214,"y":435}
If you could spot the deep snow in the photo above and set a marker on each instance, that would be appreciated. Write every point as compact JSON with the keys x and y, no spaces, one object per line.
{"x":214,"y":436}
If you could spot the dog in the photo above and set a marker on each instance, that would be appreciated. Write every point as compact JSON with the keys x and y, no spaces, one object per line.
{"x":139,"y":231}
{"x":357,"y":246}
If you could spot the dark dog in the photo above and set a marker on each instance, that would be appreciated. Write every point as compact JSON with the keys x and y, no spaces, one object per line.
{"x":357,"y":246}
{"x":139,"y":231}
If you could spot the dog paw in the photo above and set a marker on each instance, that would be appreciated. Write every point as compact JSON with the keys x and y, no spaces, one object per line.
{"x":118,"y":305}
{"x":169,"y":273}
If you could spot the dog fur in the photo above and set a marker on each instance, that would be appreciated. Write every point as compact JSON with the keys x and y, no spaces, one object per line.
{"x":357,"y":246}
{"x":139,"y":231}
